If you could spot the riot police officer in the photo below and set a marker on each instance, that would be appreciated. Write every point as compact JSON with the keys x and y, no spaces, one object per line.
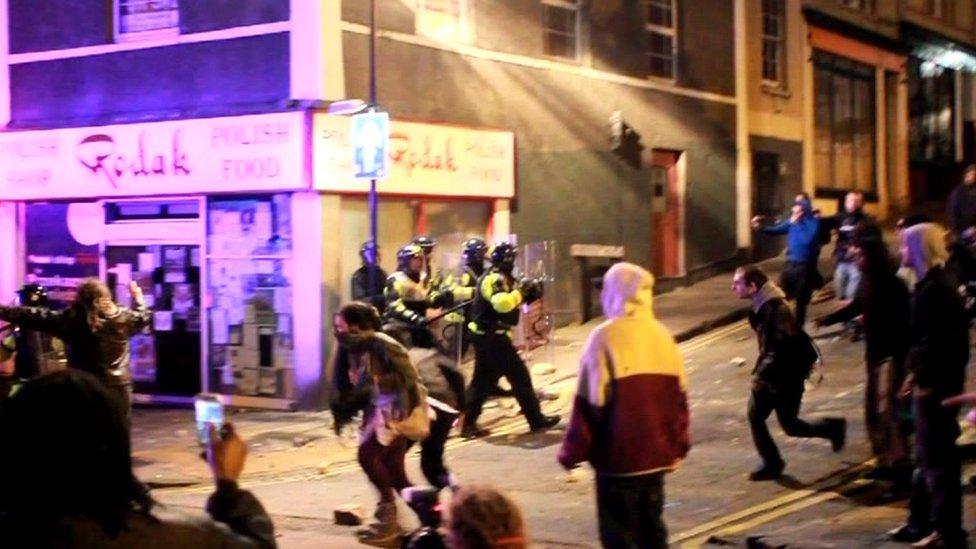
{"x":495,"y":312}
{"x":427,"y":244}
{"x":462,"y":286}
{"x":30,"y":344}
{"x":408,"y":297}
{"x":368,"y":280}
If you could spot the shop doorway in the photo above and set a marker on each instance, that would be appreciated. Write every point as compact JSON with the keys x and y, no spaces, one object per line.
{"x":665,"y":214}
{"x":166,"y":360}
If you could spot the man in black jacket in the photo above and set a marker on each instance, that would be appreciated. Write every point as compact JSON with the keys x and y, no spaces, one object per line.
{"x":961,"y":205}
{"x":782,"y":366}
{"x":937,"y":357}
{"x":846,"y":275}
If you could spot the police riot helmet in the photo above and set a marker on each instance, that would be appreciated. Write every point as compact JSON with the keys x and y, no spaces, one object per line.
{"x":503,"y":256}
{"x":473,"y":251}
{"x":368,"y":252}
{"x":32,"y":295}
{"x":426,"y":243}
{"x":406,"y":253}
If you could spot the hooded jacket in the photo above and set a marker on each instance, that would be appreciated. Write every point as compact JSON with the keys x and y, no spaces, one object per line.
{"x":803,"y":235}
{"x":938,"y":350}
{"x":630,"y":415}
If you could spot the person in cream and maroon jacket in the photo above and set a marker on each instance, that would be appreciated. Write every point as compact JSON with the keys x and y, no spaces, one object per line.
{"x":630,"y":417}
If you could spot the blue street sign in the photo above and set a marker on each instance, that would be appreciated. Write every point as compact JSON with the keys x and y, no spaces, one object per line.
{"x":370,"y":144}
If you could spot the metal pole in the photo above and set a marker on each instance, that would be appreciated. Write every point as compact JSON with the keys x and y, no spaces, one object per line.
{"x":373,"y":225}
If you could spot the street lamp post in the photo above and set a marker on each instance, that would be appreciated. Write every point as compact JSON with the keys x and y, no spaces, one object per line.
{"x":373,"y":226}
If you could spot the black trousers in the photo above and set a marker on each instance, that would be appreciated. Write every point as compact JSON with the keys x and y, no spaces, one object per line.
{"x":786,"y":404}
{"x":432,"y":449}
{"x":629,"y":510}
{"x":494,"y":357}
{"x":799,"y":281}
{"x":936,"y":500}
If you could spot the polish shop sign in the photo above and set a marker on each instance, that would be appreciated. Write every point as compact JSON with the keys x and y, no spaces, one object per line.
{"x":231,"y":154}
{"x":425,"y":159}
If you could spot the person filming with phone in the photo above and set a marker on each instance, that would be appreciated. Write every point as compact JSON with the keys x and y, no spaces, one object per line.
{"x":70,"y":481}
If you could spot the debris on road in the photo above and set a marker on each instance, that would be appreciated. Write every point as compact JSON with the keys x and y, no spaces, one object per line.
{"x":738,"y":361}
{"x":349,"y":514}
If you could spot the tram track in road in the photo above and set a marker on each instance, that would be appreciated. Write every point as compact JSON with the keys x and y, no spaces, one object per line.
{"x":838,"y":484}
{"x":509,"y":426}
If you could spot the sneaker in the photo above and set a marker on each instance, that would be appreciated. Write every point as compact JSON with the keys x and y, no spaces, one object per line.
{"x":544,"y":424}
{"x":839,"y":438}
{"x":907,"y":533}
{"x":473,"y":431}
{"x":932,"y":540}
{"x":766,"y":472}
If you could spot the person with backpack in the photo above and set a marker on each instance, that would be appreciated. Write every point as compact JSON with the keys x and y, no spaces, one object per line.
{"x":884,"y":301}
{"x":786,"y":357}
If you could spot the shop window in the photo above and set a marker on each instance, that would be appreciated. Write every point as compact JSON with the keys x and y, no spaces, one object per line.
{"x":774,"y":43}
{"x":844,"y":124}
{"x":931,"y":95}
{"x":449,"y":222}
{"x":144,"y":19}
{"x":561,"y":28}
{"x":249,"y":274}
{"x":446,"y":20}
{"x":661,"y":26}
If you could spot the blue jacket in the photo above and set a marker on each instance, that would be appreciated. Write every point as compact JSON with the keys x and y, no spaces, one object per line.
{"x":803,"y":237}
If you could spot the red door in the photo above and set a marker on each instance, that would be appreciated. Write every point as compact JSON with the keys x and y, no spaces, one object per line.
{"x":665,"y":206}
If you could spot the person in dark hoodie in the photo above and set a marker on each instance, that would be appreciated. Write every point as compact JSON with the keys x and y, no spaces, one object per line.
{"x":70,"y":482}
{"x":630,"y":417}
{"x":800,"y":277}
{"x":883,"y":299}
{"x":95,"y":330}
{"x":783,"y":364}
{"x":938,"y":353}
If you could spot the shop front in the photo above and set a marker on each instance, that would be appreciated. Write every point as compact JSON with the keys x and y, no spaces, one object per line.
{"x":213,"y":218}
{"x":447,"y":181}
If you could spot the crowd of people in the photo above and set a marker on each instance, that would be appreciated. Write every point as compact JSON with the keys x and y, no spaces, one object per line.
{"x":398,"y":381}
{"x":915,"y":322}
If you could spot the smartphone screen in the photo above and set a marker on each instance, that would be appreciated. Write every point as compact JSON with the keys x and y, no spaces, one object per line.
{"x":209,"y":411}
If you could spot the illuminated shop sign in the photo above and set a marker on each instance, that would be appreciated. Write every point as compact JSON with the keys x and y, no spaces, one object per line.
{"x":231,"y":154}
{"x":424,"y":159}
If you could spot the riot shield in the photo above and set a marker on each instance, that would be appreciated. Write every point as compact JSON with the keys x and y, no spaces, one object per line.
{"x":537,"y":260}
{"x":446,"y":267}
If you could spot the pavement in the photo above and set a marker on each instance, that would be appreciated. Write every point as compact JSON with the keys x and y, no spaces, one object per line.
{"x":298,"y":445}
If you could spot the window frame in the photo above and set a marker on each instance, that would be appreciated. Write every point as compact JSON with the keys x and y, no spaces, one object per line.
{"x":671,"y":32}
{"x":854,"y":71}
{"x":575,"y":6}
{"x":465,"y":32}
{"x":136,"y":36}
{"x":780,"y":43}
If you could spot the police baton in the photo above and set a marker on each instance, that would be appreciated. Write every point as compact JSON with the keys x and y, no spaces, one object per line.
{"x":455,"y":308}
